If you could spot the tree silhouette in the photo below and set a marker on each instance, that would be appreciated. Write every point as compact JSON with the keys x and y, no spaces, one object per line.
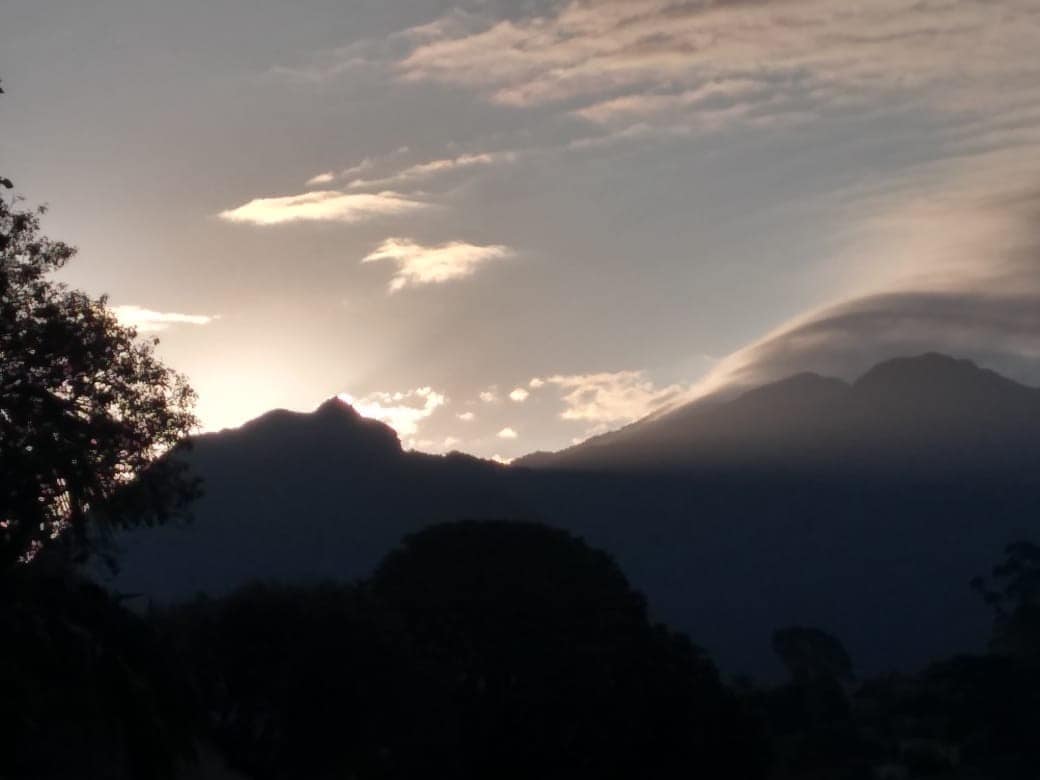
{"x":88,"y":689}
{"x":86,"y":409}
{"x":1013,"y":591}
{"x":812,"y":654}
{"x":305,"y":681}
{"x":551,"y":661}
{"x":811,"y":715}
{"x":476,"y":650}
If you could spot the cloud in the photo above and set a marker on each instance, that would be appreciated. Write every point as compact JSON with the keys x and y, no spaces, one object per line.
{"x":959,"y":268}
{"x":431,"y":168}
{"x":382,"y":175}
{"x":946,"y":247}
{"x":361,"y":167}
{"x":999,"y":331}
{"x":450,"y":442}
{"x":466,"y":416}
{"x":617,"y":59}
{"x":489,"y":396}
{"x":519,"y":395}
{"x":322,"y":206}
{"x":402,"y":411}
{"x":321,"y":178}
{"x":595,"y":430}
{"x":417,"y":264}
{"x":507,"y":433}
{"x":366,"y":164}
{"x":618,"y":397}
{"x":148,"y":321}
{"x":359,"y":58}
{"x":720,"y":99}
{"x":500,"y":459}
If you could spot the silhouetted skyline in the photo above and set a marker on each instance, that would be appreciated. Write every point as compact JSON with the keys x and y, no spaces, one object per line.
{"x":804,"y":502}
{"x":507,"y":226}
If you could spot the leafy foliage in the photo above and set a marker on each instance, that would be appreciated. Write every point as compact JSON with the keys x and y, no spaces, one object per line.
{"x":1013,"y":591}
{"x":477,"y":649}
{"x":812,"y":654}
{"x":86,"y":408}
{"x":552,"y":660}
{"x":88,"y":689}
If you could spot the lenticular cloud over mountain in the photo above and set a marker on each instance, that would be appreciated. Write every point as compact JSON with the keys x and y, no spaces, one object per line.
{"x":963,"y":278}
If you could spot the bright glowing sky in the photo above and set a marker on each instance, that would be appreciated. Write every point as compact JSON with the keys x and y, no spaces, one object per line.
{"x":503,"y":226}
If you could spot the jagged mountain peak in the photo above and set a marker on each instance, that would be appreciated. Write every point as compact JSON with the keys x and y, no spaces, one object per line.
{"x":334,"y":429}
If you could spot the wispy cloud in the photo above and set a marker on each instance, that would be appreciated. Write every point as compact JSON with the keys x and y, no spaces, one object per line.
{"x":617,"y":397}
{"x":322,"y":206}
{"x":431,"y":168}
{"x":649,"y":57}
{"x":321,"y":178}
{"x":507,"y":433}
{"x":519,"y":395}
{"x":365,"y":165}
{"x":385,"y":172}
{"x":466,"y":416}
{"x":955,"y":268}
{"x":489,"y":396}
{"x":402,"y":411}
{"x":148,"y":320}
{"x":713,"y":105}
{"x":1000,"y":331}
{"x":418,"y":264}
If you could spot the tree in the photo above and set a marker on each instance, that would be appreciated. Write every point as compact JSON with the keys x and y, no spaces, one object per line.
{"x":1015,"y":599}
{"x":86,"y":409}
{"x":90,"y":690}
{"x":551,"y":662}
{"x":307,"y":681}
{"x":811,"y":654}
{"x":489,"y":649}
{"x":811,"y":716}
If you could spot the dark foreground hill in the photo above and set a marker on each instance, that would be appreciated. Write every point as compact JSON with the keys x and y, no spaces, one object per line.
{"x":863,"y":509}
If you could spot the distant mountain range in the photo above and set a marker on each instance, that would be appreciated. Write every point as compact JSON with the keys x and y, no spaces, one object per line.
{"x":861,"y":508}
{"x":925,"y":415}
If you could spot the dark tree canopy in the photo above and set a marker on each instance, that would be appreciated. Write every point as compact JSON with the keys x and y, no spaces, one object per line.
{"x":812,"y":654}
{"x":477,"y":650}
{"x":1013,"y":592}
{"x":89,"y":690}
{"x":552,"y":661}
{"x":86,"y":408}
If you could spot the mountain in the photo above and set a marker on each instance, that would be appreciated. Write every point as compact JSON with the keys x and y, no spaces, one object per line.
{"x":925,"y":416}
{"x":863,"y":509}
{"x":302,"y":497}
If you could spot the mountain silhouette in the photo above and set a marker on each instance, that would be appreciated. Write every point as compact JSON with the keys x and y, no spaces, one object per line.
{"x":930,"y":415}
{"x":302,"y":497}
{"x":863,"y":509}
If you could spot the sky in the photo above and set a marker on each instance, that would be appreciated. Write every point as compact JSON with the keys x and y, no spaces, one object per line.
{"x":507,"y":225}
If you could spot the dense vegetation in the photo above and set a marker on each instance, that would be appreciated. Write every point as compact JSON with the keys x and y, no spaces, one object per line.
{"x":476,"y":649}
{"x":88,"y":688}
{"x":86,"y":408}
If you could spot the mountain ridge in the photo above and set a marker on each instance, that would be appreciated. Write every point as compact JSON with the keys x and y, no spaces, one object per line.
{"x":788,"y":419}
{"x":838,"y":520}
